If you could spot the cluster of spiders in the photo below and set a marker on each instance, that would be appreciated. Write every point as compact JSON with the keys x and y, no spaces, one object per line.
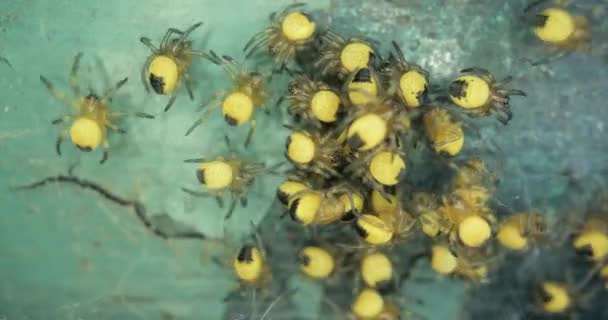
{"x":358,"y":116}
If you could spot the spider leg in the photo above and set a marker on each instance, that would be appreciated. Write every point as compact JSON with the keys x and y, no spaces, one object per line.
{"x":194,"y":126}
{"x":279,"y":102}
{"x":325,"y":58}
{"x":171,"y":101}
{"x":504,"y":115}
{"x":255,"y":232}
{"x":275,"y":301}
{"x":196,"y":160}
{"x":333,"y":39}
{"x":203,"y":55}
{"x":186,"y":33}
{"x":284,"y":54}
{"x":481,"y":71}
{"x":256,"y":38}
{"x":106,"y":147}
{"x":74,"y":75}
{"x":516,"y":92}
{"x":255,"y":48}
{"x":453,"y":136}
{"x":168,"y":35}
{"x":556,"y":56}
{"x":219,"y":201}
{"x":116,"y":128}
{"x":143,"y":115}
{"x":534,"y":4}
{"x":243,"y":199}
{"x":201,"y":194}
{"x":148,"y":43}
{"x":5,"y":61}
{"x":399,"y":52}
{"x":59,"y":141}
{"x":328,"y":170}
{"x":200,"y":120}
{"x":330,"y":65}
{"x":231,"y":209}
{"x":504,"y":81}
{"x":57,"y":94}
{"x":119,"y":114}
{"x":484,"y":73}
{"x":107,"y":96}
{"x":250,"y":133}
{"x":72,"y":168}
{"x":215,"y":58}
{"x":188,"y":83}
{"x":61,"y":120}
{"x":227,"y":142}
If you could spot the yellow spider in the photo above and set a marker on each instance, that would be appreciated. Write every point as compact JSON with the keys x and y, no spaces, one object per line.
{"x":315,"y":153}
{"x":88,"y":128}
{"x":479,"y":94}
{"x":313,"y":102}
{"x":239,"y":104}
{"x":557,"y":26}
{"x":290,"y":31}
{"x":444,"y":132}
{"x":342,"y":57}
{"x":407,"y":81}
{"x":227,"y":175}
{"x":167,"y":67}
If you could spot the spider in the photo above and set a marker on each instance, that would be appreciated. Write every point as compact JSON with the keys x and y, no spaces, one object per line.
{"x":167,"y":67}
{"x":548,"y":282}
{"x":362,"y":87}
{"x":562,"y":287}
{"x":377,"y":272}
{"x":445,"y":134}
{"x":522,"y":231}
{"x":290,"y":31}
{"x":368,"y":304}
{"x":379,"y":201}
{"x":320,"y":207}
{"x":472,"y":172}
{"x":463,"y":213}
{"x":468,"y":263}
{"x":425,"y":206}
{"x":227,"y":174}
{"x":289,"y":187}
{"x":379,"y":169}
{"x":342,"y":57}
{"x":372,"y":304}
{"x":313,"y":152}
{"x":88,"y":128}
{"x":558,"y":27}
{"x":376,"y":122}
{"x":479,"y":94}
{"x":407,"y":81}
{"x":314,"y":102}
{"x":317,"y":262}
{"x":591,"y":237}
{"x":249,"y":92}
{"x":468,"y":224}
{"x":385,"y":227}
{"x":250,"y":264}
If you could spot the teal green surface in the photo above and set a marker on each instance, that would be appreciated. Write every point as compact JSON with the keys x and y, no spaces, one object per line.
{"x":67,"y":253}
